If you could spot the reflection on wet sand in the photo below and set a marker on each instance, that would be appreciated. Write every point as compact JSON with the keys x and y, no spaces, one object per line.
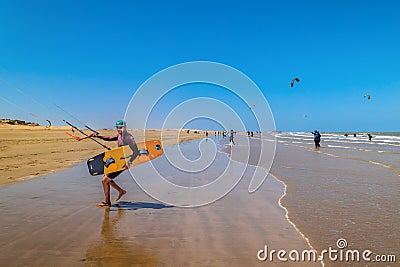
{"x":53,"y":221}
{"x":115,"y":249}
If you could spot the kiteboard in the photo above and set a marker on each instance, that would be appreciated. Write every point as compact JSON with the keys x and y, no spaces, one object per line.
{"x":114,"y":160}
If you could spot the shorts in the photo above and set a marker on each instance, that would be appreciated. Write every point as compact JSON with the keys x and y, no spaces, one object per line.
{"x":114,"y":174}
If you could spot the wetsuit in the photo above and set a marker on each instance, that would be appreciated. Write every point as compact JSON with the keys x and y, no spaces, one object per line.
{"x":317,"y":139}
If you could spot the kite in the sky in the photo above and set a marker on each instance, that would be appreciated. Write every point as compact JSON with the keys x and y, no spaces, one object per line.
{"x":367,"y":96}
{"x":294,"y":80}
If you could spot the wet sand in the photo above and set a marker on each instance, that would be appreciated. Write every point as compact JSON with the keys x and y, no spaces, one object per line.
{"x":28,"y":152}
{"x":333,"y":194}
{"x":333,"y":197}
{"x":53,"y":221}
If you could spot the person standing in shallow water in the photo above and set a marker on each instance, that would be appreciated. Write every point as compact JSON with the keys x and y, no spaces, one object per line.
{"x":124,"y":138}
{"x":317,"y":139}
{"x":231,"y":137}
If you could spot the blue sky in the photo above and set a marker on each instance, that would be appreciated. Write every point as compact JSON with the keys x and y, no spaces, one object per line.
{"x":91,"y":56}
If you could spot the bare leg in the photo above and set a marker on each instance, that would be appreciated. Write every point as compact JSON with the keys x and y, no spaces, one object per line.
{"x":121,"y":191}
{"x":106,"y":188}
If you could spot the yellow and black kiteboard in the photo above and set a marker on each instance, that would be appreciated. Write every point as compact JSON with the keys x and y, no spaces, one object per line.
{"x":114,"y":160}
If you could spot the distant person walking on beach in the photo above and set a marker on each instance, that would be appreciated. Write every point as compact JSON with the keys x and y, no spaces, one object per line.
{"x":124,"y":138}
{"x":369,"y":137}
{"x":317,"y":139}
{"x":231,"y":137}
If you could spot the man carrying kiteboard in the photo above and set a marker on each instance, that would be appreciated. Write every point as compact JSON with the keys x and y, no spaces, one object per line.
{"x":124,"y":138}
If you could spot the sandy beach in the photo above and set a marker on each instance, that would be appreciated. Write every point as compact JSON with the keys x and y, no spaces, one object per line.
{"x":53,"y":220}
{"x":28,"y":152}
{"x":268,"y":133}
{"x":306,"y":202}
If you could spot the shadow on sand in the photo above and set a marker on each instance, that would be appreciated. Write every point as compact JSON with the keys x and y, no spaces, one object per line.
{"x":126,"y":205}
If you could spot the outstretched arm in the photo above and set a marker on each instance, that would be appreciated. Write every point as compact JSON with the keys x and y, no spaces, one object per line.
{"x":106,"y":138}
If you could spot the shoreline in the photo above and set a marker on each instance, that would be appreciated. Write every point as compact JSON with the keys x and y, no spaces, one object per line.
{"x":230,"y":231}
{"x":335,"y":193}
{"x":328,"y":202}
{"x":284,"y":193}
{"x":317,"y":197}
{"x":307,"y":239}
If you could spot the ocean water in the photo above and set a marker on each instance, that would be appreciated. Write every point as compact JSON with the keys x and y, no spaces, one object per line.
{"x":383,"y":149}
{"x":349,"y":189}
